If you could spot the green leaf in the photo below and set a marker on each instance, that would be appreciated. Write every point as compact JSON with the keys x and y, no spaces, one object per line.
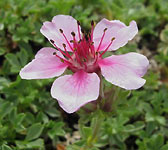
{"x":19,"y":118}
{"x":42,"y":117}
{"x":5,"y":108}
{"x":12,"y":59}
{"x":2,"y":51}
{"x":164,"y":147}
{"x":37,"y":144}
{"x":34,"y":131}
{"x":57,"y":130}
{"x":23,"y":57}
{"x":6,"y":147}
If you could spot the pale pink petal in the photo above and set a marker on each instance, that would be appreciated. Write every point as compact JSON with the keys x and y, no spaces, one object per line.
{"x":45,"y":65}
{"x":125,"y":70}
{"x":115,"y":29}
{"x":74,"y":91}
{"x":51,"y":30}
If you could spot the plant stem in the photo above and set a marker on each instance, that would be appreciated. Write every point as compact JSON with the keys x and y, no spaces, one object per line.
{"x":101,"y":87}
{"x":96,"y":131}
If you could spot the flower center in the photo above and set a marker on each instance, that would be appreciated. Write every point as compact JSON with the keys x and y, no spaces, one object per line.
{"x":84,"y":56}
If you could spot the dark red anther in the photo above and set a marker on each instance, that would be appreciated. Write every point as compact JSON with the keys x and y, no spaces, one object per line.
{"x":54,"y":53}
{"x":66,"y":53}
{"x":82,"y":31}
{"x":61,"y":30}
{"x":79,"y":34}
{"x":79,"y":41}
{"x":78,"y":22}
{"x":92,"y":23}
{"x":64,"y":45}
{"x":113,"y":39}
{"x":105,"y":29}
{"x":73,"y":33}
{"x":52,"y":41}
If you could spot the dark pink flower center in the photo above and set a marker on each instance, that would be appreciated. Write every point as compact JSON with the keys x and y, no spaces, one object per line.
{"x":84,"y":56}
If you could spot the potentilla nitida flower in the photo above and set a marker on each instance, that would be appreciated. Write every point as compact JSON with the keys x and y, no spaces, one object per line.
{"x":83,"y":54}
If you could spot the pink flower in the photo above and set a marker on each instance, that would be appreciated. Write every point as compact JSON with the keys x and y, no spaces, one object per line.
{"x":83,"y":56}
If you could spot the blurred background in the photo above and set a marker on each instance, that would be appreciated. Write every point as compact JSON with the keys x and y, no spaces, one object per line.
{"x":31,"y":120}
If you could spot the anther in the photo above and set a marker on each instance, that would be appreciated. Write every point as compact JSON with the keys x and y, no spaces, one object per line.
{"x":92,"y":22}
{"x":92,"y":43}
{"x":61,"y":30}
{"x":75,"y":49}
{"x":54,"y":53}
{"x":64,"y":45}
{"x":78,"y":22}
{"x":82,"y":31}
{"x":52,"y":41}
{"x":86,"y":37}
{"x":73,"y":33}
{"x":84,"y":60}
{"x":71,"y":41}
{"x":113,"y":39}
{"x":79,"y":41}
{"x":105,"y":29}
{"x":62,"y":60}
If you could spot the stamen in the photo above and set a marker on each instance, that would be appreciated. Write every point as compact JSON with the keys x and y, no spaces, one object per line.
{"x":78,"y":22}
{"x":92,"y":23}
{"x":63,"y":60}
{"x":61,"y":30}
{"x":73,"y":34}
{"x":69,"y":56}
{"x":64,"y":45}
{"x":101,"y":39}
{"x":79,"y":30}
{"x":77,"y":56}
{"x":82,"y":31}
{"x":107,"y":47}
{"x":86,"y":37}
{"x":74,"y":40}
{"x":66,"y":39}
{"x":79,"y":41}
{"x":52,"y":41}
{"x":92,"y":27}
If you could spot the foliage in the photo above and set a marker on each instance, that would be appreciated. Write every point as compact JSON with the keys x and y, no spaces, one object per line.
{"x":31,"y":120}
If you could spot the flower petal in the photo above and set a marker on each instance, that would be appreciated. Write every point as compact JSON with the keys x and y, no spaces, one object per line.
{"x":74,"y":91}
{"x":45,"y":65}
{"x":115,"y":29}
{"x":51,"y":30}
{"x":125,"y":70}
